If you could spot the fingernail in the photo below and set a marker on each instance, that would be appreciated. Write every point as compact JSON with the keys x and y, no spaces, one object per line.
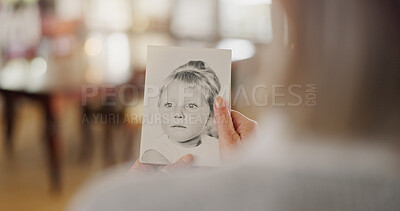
{"x":219,"y":102}
{"x":187,"y":158}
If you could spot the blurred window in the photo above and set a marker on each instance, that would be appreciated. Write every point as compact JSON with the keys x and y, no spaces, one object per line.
{"x":194,"y":19}
{"x":191,"y":19}
{"x":209,"y":19}
{"x":247,"y":19}
{"x":108,"y":14}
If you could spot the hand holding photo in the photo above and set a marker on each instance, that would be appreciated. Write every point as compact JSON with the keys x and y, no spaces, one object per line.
{"x":181,"y":86}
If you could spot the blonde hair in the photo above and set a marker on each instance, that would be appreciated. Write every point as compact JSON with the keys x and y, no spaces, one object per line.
{"x":196,"y":73}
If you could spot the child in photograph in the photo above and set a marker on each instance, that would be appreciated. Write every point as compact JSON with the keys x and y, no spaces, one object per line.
{"x":186,"y":108}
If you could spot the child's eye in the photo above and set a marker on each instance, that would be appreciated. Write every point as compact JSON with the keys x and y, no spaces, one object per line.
{"x":191,"y":106}
{"x":168,"y":105}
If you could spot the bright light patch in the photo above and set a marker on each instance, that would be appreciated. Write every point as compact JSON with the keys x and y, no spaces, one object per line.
{"x":38,"y":66}
{"x":93,"y":46}
{"x":118,"y":57}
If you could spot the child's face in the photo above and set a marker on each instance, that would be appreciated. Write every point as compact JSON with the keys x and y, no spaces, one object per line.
{"x":184,"y":111}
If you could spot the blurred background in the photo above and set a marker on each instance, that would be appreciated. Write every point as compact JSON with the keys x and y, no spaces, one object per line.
{"x":65,"y":65}
{"x":55,"y":54}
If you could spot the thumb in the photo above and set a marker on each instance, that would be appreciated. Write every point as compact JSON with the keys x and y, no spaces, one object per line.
{"x":226,"y":131}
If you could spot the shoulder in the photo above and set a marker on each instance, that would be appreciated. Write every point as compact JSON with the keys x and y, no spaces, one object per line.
{"x":153,"y":156}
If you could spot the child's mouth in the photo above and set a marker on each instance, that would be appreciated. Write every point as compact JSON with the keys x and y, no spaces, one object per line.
{"x":178,"y":126}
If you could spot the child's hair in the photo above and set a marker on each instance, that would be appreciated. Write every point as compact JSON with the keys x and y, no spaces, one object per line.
{"x":196,"y":73}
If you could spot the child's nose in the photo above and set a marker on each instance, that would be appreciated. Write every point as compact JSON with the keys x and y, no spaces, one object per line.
{"x":179,"y":113}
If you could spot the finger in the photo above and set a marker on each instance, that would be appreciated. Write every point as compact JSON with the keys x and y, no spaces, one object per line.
{"x":139,"y":167}
{"x":226,"y":130}
{"x":240,"y":120}
{"x":185,"y":161}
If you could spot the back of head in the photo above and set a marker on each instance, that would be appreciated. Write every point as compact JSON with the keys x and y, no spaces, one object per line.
{"x":351,"y":50}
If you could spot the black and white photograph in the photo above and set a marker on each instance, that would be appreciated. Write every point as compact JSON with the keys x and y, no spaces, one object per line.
{"x":180,"y":88}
